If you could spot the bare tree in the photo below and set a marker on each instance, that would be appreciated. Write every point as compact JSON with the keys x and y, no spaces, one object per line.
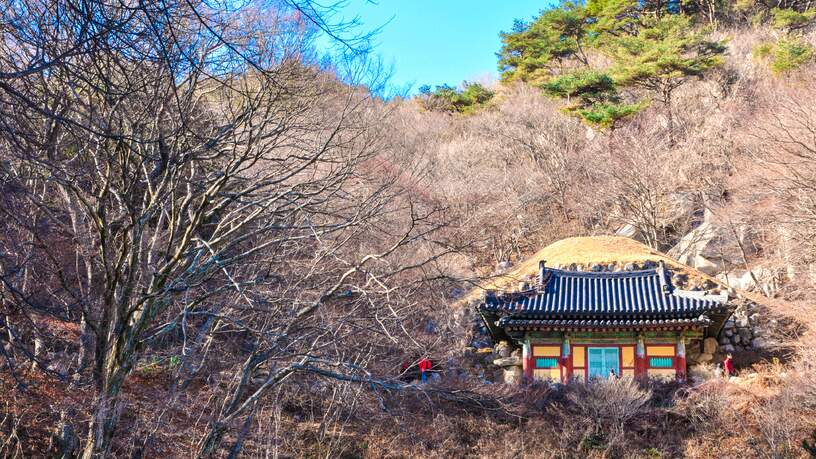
{"x":786,"y":150}
{"x":634,"y":183}
{"x":536,"y":134}
{"x":176,"y":174}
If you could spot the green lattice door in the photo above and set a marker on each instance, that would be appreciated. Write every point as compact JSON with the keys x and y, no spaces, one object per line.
{"x":603,"y":359}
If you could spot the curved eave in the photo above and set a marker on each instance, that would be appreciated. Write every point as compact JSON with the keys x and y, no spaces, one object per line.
{"x":516,"y":325}
{"x":690,"y":314}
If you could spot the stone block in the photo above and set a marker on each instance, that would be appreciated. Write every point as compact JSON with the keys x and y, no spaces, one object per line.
{"x":700,"y":373}
{"x":709,"y":346}
{"x":503,"y":351}
{"x":512,"y":375}
{"x":745,"y":335}
{"x":507,"y":361}
{"x":504,"y":265}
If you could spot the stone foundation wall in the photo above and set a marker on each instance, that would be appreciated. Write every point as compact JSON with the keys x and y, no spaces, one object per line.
{"x":500,"y":364}
{"x":748,"y":329}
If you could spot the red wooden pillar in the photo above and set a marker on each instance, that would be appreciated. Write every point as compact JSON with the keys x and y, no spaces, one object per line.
{"x":640,"y":359}
{"x":568,"y":368}
{"x":680,"y":361}
{"x":527,"y":361}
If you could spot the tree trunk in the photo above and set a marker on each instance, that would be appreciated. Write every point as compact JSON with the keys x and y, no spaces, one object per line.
{"x":106,"y":411}
{"x":66,"y":436}
{"x":667,"y":99}
{"x":235,"y":451}
{"x":39,"y":352}
{"x":100,"y":432}
{"x":212,"y":440}
{"x":86,"y":341}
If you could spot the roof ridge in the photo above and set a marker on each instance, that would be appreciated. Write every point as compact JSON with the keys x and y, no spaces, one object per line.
{"x":605,"y":274}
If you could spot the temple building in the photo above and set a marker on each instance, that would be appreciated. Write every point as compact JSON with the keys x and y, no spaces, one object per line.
{"x":577,"y":325}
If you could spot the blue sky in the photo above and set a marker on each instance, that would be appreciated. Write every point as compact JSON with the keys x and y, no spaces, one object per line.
{"x":440,"y":41}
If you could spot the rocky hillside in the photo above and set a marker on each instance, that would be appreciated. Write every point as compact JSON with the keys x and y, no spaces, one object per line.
{"x":233,"y":248}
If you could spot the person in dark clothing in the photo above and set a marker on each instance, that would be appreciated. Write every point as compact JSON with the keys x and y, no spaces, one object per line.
{"x":404,"y":366}
{"x":612,"y":374}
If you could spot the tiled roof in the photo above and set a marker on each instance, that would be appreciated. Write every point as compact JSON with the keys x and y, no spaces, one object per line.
{"x":591,"y":324}
{"x":646,"y":294}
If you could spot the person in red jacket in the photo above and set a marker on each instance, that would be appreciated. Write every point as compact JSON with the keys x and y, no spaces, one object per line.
{"x":424,"y":368}
{"x":728,"y":366}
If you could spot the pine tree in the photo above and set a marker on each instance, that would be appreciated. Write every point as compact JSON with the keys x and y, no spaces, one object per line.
{"x":790,"y":51}
{"x":663,"y":55}
{"x":446,"y":98}
{"x":613,"y":17}
{"x":555,"y":41}
{"x":790,"y":19}
{"x":592,"y":96}
{"x":653,"y":47}
{"x":552,"y":53}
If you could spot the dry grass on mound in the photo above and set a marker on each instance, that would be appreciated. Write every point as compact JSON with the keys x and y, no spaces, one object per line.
{"x":583,"y":251}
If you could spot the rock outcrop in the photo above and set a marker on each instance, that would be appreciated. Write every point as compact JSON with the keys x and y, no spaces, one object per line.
{"x":713,"y":248}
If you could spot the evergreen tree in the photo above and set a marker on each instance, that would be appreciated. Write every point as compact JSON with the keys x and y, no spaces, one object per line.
{"x":790,"y":51}
{"x":557,"y":40}
{"x":592,"y":96}
{"x":613,"y":17}
{"x":664,"y":53}
{"x":446,"y":98}
{"x":791,"y":19}
{"x":651,"y":48}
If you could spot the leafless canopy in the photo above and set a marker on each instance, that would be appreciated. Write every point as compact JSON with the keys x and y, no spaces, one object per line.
{"x":182,"y":177}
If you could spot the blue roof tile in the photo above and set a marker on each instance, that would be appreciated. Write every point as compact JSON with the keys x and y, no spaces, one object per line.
{"x":627,"y":294}
{"x":623,"y":324}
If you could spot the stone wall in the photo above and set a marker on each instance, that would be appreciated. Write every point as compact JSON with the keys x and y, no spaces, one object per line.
{"x":498,"y":364}
{"x":701,"y":351}
{"x":473,"y":329}
{"x":749,"y":328}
